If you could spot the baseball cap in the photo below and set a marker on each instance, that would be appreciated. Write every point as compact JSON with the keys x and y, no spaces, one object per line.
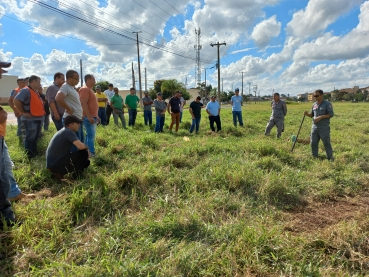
{"x":146,"y":91}
{"x":72,"y":119}
{"x":237,"y":89}
{"x":213,"y":96}
{"x":159,"y":94}
{"x":97,"y":87}
{"x":5,"y":64}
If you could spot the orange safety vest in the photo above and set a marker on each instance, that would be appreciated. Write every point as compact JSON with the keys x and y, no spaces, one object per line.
{"x":36,"y":106}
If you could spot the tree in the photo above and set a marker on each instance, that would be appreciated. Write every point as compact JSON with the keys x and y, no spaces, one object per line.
{"x":152,"y":93}
{"x":103,"y":84}
{"x":157,"y":85}
{"x":169,"y":87}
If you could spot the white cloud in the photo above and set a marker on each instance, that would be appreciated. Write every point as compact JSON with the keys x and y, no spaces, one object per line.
{"x":242,"y":50}
{"x":265,"y":31}
{"x":318,"y":15}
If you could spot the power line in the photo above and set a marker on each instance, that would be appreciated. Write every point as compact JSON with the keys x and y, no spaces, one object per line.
{"x":179,"y":12}
{"x":165,"y":11}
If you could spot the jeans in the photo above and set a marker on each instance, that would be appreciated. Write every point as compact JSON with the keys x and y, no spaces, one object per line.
{"x":119,"y":114}
{"x":175,"y":119}
{"x":90,"y":134}
{"x":159,"y":124}
{"x":58,"y":123}
{"x":19,"y":127}
{"x":132,"y":113}
{"x":180,"y":117}
{"x":102,"y":115}
{"x":46,"y":122}
{"x":237,"y":115}
{"x":5,"y":206}
{"x":8,"y":163}
{"x":195,"y":122}
{"x":216,"y":119}
{"x":148,"y":117}
{"x":31,"y":132}
{"x":108,"y":110}
{"x":73,"y":162}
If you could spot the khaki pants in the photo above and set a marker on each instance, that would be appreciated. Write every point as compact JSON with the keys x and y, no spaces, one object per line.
{"x":175,"y":119}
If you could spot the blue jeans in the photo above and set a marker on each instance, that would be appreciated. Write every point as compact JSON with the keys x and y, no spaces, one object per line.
{"x":90,"y":134}
{"x":237,"y":115}
{"x":180,"y":117}
{"x":102,"y":115}
{"x":46,"y":122}
{"x":31,"y":132}
{"x":195,"y":122}
{"x":58,"y":123}
{"x":5,"y":206}
{"x":159,"y":124}
{"x":132,"y":117}
{"x":148,"y":117}
{"x":8,"y":163}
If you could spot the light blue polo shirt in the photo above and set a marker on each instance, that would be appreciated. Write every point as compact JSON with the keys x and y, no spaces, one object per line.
{"x":213,"y":108}
{"x":236,"y":103}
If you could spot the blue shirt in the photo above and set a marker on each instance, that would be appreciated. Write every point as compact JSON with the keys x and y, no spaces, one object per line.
{"x":236,"y":103}
{"x":213,"y":108}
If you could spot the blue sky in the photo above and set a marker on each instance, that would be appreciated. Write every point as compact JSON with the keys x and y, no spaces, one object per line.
{"x":287,"y":45}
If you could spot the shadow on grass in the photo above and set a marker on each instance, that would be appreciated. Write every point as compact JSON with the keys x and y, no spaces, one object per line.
{"x":7,"y":253}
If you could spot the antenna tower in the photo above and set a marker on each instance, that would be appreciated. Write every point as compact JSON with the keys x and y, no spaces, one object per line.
{"x":198,"y":47}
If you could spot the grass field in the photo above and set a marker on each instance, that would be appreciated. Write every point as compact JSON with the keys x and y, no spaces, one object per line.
{"x":230,"y":204}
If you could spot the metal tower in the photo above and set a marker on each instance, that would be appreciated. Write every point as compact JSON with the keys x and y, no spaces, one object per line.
{"x":198,"y":47}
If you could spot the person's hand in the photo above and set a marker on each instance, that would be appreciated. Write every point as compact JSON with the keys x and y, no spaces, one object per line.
{"x":115,"y":111}
{"x":98,"y":120}
{"x":193,"y":117}
{"x":306,"y":113}
{"x":27,"y":114}
{"x":17,"y":113}
{"x":69,"y":111}
{"x":91,"y":119}
{"x":317,"y":119}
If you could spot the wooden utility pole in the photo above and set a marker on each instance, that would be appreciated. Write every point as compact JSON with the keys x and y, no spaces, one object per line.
{"x":218,"y":45}
{"x":145,"y":80}
{"x":139,"y":69}
{"x":133,"y":78}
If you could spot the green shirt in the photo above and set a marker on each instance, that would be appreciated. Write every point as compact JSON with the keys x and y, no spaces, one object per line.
{"x":117,"y":102}
{"x":132,"y":100}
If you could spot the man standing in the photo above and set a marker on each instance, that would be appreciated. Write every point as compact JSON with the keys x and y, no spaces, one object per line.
{"x":147,"y":102}
{"x":6,"y":212}
{"x":174,"y":109}
{"x":116,"y":103}
{"x":183,"y":102}
{"x":68,"y":98}
{"x":30,"y":105}
{"x":109,"y":93}
{"x":279,"y":111}
{"x":160,"y":108}
{"x":236,"y":102}
{"x":90,"y":111}
{"x":131,"y":103}
{"x":59,"y":159}
{"x":46,"y":120}
{"x":321,"y":112}
{"x":101,"y":99}
{"x":195,"y":110}
{"x":21,"y":84}
{"x":213,"y":110}
{"x":57,"y":111}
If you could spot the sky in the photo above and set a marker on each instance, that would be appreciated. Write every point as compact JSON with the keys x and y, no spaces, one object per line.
{"x":285,"y":46}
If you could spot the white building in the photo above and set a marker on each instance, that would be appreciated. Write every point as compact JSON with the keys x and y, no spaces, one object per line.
{"x":7,"y":84}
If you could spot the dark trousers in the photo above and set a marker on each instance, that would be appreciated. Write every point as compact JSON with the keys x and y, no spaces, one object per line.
{"x":74,"y":162}
{"x":58,"y":123}
{"x":132,"y":113}
{"x":109,"y":110}
{"x":148,"y":117}
{"x":215,"y":119}
{"x":102,"y":115}
{"x":5,"y":206}
{"x":31,"y":130}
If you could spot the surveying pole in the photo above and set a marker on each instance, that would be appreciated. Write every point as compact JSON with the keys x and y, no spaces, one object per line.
{"x":218,"y":45}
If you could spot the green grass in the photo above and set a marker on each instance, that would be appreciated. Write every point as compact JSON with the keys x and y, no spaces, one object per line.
{"x":214,"y":205}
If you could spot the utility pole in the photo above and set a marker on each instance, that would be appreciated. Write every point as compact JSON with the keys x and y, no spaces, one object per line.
{"x":139,"y":69}
{"x":133,"y":78}
{"x":222,"y":84}
{"x":145,"y":80}
{"x":205,"y":94}
{"x":255,"y":90}
{"x":242,"y":82}
{"x":198,"y":47}
{"x":80,"y":66}
{"x":218,"y":45}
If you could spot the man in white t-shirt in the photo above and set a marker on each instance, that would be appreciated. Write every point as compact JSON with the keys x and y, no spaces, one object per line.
{"x":68,"y":98}
{"x":109,"y":94}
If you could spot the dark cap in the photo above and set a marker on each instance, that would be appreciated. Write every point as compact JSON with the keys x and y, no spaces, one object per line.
{"x":5,"y":64}
{"x":72,"y":119}
{"x":146,"y":91}
{"x":159,"y":94}
{"x":110,"y":85}
{"x":97,"y":87}
{"x":213,"y":96}
{"x":237,"y":89}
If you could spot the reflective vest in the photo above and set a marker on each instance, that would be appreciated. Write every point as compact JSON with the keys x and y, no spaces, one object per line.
{"x":36,"y":106}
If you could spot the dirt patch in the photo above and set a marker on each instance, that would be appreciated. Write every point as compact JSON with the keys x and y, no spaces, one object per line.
{"x":318,"y":216}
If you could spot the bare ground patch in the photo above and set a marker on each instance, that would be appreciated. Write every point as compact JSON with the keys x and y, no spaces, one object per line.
{"x":316,"y":216}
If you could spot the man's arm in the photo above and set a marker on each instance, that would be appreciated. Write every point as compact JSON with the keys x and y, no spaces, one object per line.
{"x":80,"y":145}
{"x":85,"y":109}
{"x":19,"y":105}
{"x":3,"y":115}
{"x":60,"y":100}
{"x":50,"y":96}
{"x":191,"y":112}
{"x":284,"y":109}
{"x":11,"y":104}
{"x":169,"y":107}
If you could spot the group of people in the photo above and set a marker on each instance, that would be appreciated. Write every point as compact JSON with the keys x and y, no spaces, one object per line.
{"x":77,"y":111}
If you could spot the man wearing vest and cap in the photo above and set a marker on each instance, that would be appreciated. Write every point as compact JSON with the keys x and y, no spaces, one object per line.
{"x":21,"y":84}
{"x":59,"y":159}
{"x":30,"y":105}
{"x":6,"y":212}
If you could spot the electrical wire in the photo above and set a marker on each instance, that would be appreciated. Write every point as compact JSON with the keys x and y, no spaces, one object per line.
{"x":179,"y":12}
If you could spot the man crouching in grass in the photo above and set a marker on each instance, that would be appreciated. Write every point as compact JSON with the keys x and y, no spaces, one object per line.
{"x":59,"y":159}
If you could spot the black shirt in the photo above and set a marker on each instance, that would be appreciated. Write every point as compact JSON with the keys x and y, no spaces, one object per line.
{"x":196,"y":108}
{"x":175,"y":104}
